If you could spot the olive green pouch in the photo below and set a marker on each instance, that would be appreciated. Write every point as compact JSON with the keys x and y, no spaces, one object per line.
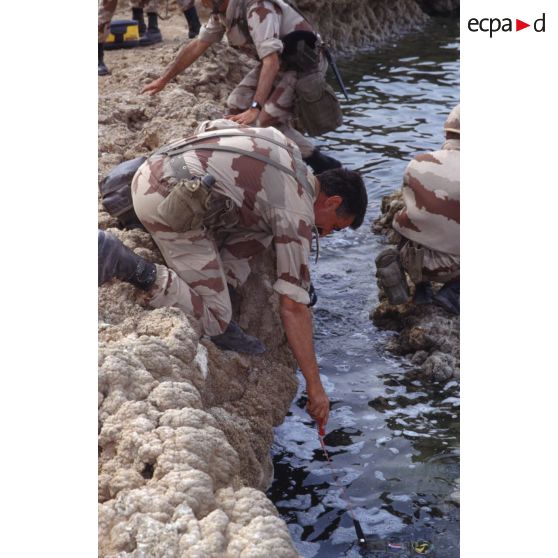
{"x":186,"y":205}
{"x":414,"y":262}
{"x":317,"y":109}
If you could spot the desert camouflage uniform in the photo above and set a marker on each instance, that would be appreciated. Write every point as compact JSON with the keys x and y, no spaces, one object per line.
{"x":108,"y":7}
{"x":258,"y":33}
{"x":430,"y":218}
{"x":271,"y":207}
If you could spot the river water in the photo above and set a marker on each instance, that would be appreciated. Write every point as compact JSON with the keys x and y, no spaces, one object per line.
{"x":394,"y":442}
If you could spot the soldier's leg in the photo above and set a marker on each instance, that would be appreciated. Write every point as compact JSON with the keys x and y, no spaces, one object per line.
{"x":425,"y":265}
{"x":151,"y":34}
{"x":195,"y":280}
{"x":238,"y":253}
{"x":137,"y":14}
{"x":106,"y":11}
{"x":242,"y":95}
{"x":191,"y":15}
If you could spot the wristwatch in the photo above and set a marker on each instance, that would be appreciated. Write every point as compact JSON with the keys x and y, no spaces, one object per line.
{"x":256,"y":105}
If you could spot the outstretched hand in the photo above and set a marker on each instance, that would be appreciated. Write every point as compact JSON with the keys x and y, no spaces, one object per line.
{"x":155,"y":86}
{"x":318,"y":406}
{"x":247,"y":117}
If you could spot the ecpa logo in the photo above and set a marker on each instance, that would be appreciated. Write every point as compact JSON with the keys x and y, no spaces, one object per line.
{"x":494,"y":24}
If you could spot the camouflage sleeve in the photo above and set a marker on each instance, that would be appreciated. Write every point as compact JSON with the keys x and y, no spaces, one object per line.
{"x":292,"y":235}
{"x":264,"y":24}
{"x":213,"y":31}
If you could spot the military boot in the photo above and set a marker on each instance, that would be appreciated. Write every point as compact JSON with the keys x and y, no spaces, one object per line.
{"x":137,"y":15}
{"x":391,"y":276}
{"x":116,"y":260}
{"x":103,"y":70}
{"x":234,"y":339}
{"x":320,"y":162}
{"x":448,"y":297}
{"x":193,"y":20}
{"x":152,"y":34}
{"x":423,"y":293}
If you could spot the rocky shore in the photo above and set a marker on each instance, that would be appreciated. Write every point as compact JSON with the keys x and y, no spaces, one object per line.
{"x":184,"y":428}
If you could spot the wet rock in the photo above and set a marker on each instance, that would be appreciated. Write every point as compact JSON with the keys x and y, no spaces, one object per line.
{"x":349,"y":25}
{"x":439,"y":7}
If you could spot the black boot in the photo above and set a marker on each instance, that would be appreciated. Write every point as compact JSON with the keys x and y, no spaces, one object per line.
{"x":152,"y":35}
{"x":103,"y":70}
{"x":234,"y":339}
{"x":320,"y":162}
{"x":116,"y":260}
{"x":448,"y":297}
{"x":137,"y":15}
{"x":193,"y":20}
{"x":423,"y":293}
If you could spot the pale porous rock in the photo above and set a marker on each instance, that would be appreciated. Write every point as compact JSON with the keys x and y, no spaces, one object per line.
{"x":427,"y":334}
{"x":184,"y":428}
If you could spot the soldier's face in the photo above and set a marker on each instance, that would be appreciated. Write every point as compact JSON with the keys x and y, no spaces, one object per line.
{"x":326,"y":217}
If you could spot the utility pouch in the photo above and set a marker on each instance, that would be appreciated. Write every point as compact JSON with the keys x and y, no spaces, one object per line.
{"x":300,"y":52}
{"x":222,"y":213}
{"x":391,"y":276}
{"x":316,"y":108}
{"x":116,"y":193}
{"x":413,"y":261}
{"x":186,"y":205}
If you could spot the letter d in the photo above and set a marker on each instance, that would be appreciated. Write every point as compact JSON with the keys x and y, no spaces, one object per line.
{"x":535,"y":25}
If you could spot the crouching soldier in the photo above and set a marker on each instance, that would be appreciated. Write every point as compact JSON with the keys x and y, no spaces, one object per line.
{"x":266,"y":95}
{"x":429,"y":227}
{"x":214,"y":201}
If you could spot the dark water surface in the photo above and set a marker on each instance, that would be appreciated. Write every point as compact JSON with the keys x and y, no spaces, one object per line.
{"x":394,"y":442}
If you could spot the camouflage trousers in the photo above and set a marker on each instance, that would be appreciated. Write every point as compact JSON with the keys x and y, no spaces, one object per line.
{"x":108,"y":7}
{"x":278,"y":109}
{"x":430,"y":266}
{"x":199,"y":264}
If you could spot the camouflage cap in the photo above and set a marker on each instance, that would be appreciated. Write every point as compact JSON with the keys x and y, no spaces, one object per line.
{"x":452,"y":122}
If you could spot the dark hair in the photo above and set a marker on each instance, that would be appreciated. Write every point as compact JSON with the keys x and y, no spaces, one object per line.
{"x":349,"y":185}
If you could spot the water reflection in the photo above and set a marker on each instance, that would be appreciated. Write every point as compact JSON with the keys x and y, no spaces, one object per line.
{"x":394,"y":441}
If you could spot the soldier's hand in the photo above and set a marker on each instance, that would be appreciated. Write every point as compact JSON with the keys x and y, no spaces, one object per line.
{"x":155,"y":86}
{"x":318,"y":404}
{"x":247,"y":117}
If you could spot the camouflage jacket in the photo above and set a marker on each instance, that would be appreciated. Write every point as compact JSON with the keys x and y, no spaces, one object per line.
{"x":254,"y":26}
{"x":431,"y":196}
{"x":273,"y":206}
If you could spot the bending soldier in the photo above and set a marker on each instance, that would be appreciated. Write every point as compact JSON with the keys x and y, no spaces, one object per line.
{"x":265,"y":97}
{"x":429,"y":222}
{"x":261,"y":194}
{"x":149,"y":34}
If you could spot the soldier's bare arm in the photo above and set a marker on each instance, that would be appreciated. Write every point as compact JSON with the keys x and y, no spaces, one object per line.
{"x":268,"y":73}
{"x":297,"y":321}
{"x":186,"y":57}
